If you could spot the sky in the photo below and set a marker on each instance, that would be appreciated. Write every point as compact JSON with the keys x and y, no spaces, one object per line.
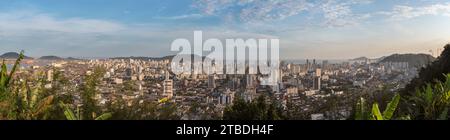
{"x":321,"y":29}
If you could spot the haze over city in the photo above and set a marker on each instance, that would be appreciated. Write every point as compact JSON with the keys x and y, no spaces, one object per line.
{"x":326,"y":29}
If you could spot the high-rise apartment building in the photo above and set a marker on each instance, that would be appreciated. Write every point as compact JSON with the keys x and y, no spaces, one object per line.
{"x":168,"y":86}
{"x":211,"y":81}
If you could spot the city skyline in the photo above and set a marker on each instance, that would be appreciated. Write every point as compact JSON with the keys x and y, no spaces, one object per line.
{"x":327,"y":29}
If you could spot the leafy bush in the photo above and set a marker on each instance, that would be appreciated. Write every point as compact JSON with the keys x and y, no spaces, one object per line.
{"x":362,"y":112}
{"x":256,"y":110}
{"x":432,"y":102}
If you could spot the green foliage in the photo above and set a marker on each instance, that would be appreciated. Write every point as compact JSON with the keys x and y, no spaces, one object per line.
{"x":444,"y":114}
{"x":71,"y":115}
{"x":143,"y":110}
{"x":431,"y":73}
{"x":363,"y":114}
{"x":388,"y":113}
{"x":256,"y":110}
{"x":361,"y":111}
{"x":376,"y":114}
{"x":22,"y":101}
{"x":5,"y":79}
{"x":30,"y":102}
{"x":63,"y":91}
{"x":129,"y":87}
{"x":431,"y":102}
{"x":88,"y":93}
{"x":105,"y":116}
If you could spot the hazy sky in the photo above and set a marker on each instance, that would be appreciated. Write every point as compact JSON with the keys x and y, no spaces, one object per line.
{"x":322,"y":29}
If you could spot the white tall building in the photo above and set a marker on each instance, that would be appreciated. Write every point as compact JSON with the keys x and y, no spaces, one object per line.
{"x":317,"y":79}
{"x":50,"y":75}
{"x":249,"y":81}
{"x":318,"y":72}
{"x":168,"y":86}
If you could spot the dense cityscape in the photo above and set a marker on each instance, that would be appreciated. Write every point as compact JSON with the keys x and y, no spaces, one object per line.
{"x":310,"y":90}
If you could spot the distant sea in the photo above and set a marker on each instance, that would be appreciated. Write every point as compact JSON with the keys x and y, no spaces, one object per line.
{"x":9,"y":66}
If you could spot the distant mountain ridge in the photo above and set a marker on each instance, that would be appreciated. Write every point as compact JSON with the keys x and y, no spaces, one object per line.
{"x":57,"y":58}
{"x":170,"y":57}
{"x":416,"y":60}
{"x":359,"y":59}
{"x":51,"y":58}
{"x":434,"y":71}
{"x":365,"y":60}
{"x":12,"y":55}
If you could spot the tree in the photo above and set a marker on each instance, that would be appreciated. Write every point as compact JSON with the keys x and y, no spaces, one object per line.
{"x":431,"y":102}
{"x":62,"y":91}
{"x":88,"y":93}
{"x":140,"y":109}
{"x":71,"y":115}
{"x":6,"y":98}
{"x":430,"y":74}
{"x":259,"y":109}
{"x":5,"y":79}
{"x":31,"y":103}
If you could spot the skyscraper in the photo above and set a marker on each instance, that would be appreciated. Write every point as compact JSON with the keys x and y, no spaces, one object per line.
{"x":249,"y":81}
{"x":317,"y":79}
{"x":211,"y":81}
{"x":316,"y":84}
{"x":325,"y":64}
{"x":308,"y":66}
{"x":168,"y":86}
{"x":318,"y":72}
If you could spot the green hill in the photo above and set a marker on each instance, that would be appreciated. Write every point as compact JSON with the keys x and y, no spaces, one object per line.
{"x":416,"y":60}
{"x":431,"y":73}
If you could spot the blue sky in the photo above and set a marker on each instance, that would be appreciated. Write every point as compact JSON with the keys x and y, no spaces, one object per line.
{"x":322,"y":29}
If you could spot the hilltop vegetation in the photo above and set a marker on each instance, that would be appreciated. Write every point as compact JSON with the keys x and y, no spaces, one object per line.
{"x":415,"y":60}
{"x":432,"y":73}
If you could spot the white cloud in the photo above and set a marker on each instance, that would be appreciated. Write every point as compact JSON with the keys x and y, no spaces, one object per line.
{"x":273,"y":10}
{"x":253,"y":10}
{"x":340,"y":14}
{"x":401,"y":12}
{"x":211,"y":7}
{"x":335,"y":12}
{"x":188,"y":16}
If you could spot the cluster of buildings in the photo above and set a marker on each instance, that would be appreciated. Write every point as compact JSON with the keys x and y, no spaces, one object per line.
{"x":308,"y":86}
{"x":313,"y":87}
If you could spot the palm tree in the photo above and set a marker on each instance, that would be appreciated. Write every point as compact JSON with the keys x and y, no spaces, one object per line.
{"x":29,"y":103}
{"x":5,"y":81}
{"x":22,"y":101}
